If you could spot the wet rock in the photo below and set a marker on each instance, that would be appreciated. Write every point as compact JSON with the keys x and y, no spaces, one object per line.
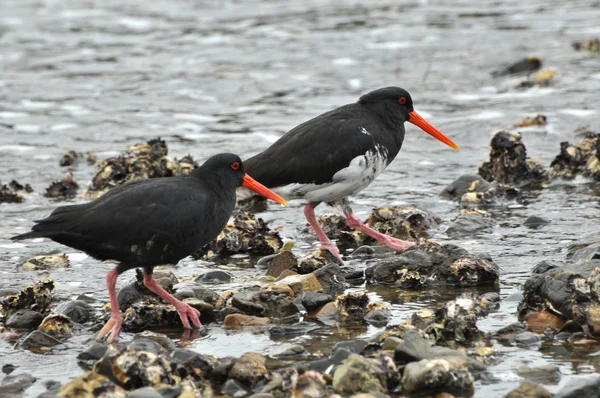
{"x":25,"y":319}
{"x":250,"y":368}
{"x":540,"y":374}
{"x":239,"y":321}
{"x":35,"y":297}
{"x":38,"y":339}
{"x":354,"y":346}
{"x":321,"y":365}
{"x":378,"y":313}
{"x":288,"y":350}
{"x":78,"y":310}
{"x":538,"y":322}
{"x":580,"y":387}
{"x":581,"y":159}
{"x":359,"y":374}
{"x":310,"y":385}
{"x":535,"y":222}
{"x":415,"y":348}
{"x":66,"y":188}
{"x":433,"y":264}
{"x":8,"y":368}
{"x":538,"y":120}
{"x":469,"y":224}
{"x":69,"y":159}
{"x":8,"y":291}
{"x":349,"y":307}
{"x":57,"y":325}
{"x":13,"y":192}
{"x":524,"y":66}
{"x":293,"y":330}
{"x":526,"y":339}
{"x":145,"y":392}
{"x":509,"y":164}
{"x":302,"y":283}
{"x":93,"y":352}
{"x":233,"y":388}
{"x":91,"y":384}
{"x":38,"y":263}
{"x":312,"y":301}
{"x":591,"y":45}
{"x":430,"y":376}
{"x":214,"y":276}
{"x":141,"y":161}
{"x":314,"y":261}
{"x":570,"y":291}
{"x":528,"y":389}
{"x":331,"y":278}
{"x":13,"y":385}
{"x":283,"y":261}
{"x":406,"y":222}
{"x":246,"y":234}
{"x":581,"y":252}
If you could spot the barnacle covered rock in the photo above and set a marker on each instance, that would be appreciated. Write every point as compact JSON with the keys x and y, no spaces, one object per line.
{"x":581,"y":159}
{"x":36,"y":297}
{"x":523,"y":66}
{"x":13,"y":192}
{"x":71,"y":158}
{"x":473,"y":191}
{"x":570,"y":291}
{"x":591,"y":45}
{"x":141,"y":161}
{"x":508,"y":163}
{"x":57,"y":325}
{"x":403,"y":222}
{"x":537,"y":120}
{"x":246,"y":234}
{"x":432,"y":264}
{"x":47,"y":262}
{"x":350,"y":307}
{"x":66,"y":188}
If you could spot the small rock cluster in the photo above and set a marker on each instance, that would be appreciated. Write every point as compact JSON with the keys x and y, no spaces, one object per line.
{"x":141,"y":161}
{"x":13,"y":192}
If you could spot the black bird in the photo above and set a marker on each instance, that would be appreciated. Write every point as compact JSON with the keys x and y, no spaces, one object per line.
{"x":339,"y":153}
{"x":151,"y":222}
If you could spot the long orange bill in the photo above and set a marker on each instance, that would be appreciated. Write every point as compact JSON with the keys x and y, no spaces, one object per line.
{"x":417,"y":120}
{"x":257,"y":187}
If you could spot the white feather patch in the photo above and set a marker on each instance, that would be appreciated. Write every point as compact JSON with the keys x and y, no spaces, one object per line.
{"x":350,"y":180}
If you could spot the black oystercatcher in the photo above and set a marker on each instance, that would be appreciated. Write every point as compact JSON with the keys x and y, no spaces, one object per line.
{"x":152,"y":222}
{"x":339,"y":153}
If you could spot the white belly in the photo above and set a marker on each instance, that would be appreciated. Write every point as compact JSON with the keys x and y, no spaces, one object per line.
{"x":361,"y":172}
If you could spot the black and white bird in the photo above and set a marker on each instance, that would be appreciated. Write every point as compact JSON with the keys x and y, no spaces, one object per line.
{"x":338,"y":154}
{"x":152,"y":222}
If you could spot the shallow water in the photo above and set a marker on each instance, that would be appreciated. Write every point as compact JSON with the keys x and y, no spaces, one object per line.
{"x":208,"y":76}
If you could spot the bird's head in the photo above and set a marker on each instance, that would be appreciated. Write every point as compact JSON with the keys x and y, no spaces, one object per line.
{"x":398,"y":101}
{"x":230,"y":166}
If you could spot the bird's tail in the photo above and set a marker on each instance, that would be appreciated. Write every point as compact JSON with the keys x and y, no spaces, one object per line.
{"x":28,"y":235}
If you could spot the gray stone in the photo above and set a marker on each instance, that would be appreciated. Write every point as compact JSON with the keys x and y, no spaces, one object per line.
{"x":459,"y":187}
{"x":93,"y":352}
{"x":528,"y":389}
{"x":579,"y":387}
{"x":288,"y":350}
{"x":13,"y":385}
{"x":359,"y":374}
{"x":320,"y":365}
{"x":214,"y":276}
{"x":78,"y":310}
{"x":233,"y":388}
{"x":527,"y":338}
{"x":312,"y":301}
{"x":535,"y":222}
{"x":25,"y":319}
{"x":354,"y":346}
{"x":430,"y":376}
{"x":144,"y":344}
{"x":540,"y":374}
{"x":470,"y":224}
{"x":37,"y":339}
{"x":145,"y":392}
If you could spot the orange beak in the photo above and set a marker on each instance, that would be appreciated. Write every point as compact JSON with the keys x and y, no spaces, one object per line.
{"x":257,"y":187}
{"x":417,"y":120}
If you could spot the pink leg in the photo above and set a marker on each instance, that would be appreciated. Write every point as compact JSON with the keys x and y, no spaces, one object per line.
{"x":184,"y":310}
{"x":309,"y":212}
{"x":393,"y":243}
{"x":116,"y":319}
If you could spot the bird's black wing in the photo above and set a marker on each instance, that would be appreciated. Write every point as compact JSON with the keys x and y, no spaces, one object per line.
{"x":314,"y":151}
{"x":141,"y":222}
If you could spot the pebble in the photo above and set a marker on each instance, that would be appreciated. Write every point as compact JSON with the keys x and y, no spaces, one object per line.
{"x":145,"y":392}
{"x":214,"y":276}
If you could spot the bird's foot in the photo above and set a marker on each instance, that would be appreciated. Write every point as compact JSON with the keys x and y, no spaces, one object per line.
{"x":113,"y":326}
{"x":396,"y":244}
{"x":331,"y":248}
{"x":186,"y":311}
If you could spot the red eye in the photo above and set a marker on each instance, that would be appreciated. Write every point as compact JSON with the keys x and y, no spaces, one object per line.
{"x":235,"y":165}
{"x":402,"y":100}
